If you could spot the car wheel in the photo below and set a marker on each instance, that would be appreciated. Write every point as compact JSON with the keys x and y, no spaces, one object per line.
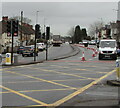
{"x":23,"y":55}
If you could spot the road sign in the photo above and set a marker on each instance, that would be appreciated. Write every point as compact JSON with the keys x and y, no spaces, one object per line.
{"x":8,"y":58}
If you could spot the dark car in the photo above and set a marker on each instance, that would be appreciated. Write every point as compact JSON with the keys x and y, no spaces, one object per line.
{"x":20,"y":49}
{"x":29,"y":51}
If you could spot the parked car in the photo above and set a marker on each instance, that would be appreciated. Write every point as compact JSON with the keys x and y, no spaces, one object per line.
{"x":29,"y":51}
{"x":41,"y":46}
{"x":20,"y":49}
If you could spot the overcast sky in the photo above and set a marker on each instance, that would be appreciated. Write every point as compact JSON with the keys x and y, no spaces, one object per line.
{"x":61,"y":16}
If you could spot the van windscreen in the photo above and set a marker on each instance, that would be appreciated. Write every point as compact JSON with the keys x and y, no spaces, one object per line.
{"x":107,"y":44}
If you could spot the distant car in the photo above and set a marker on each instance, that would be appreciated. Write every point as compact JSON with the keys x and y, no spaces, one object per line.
{"x":85,"y":42}
{"x":29,"y":51}
{"x":92,"y":42}
{"x":66,"y":42}
{"x":80,"y":43}
{"x":41,"y":46}
{"x":20,"y":49}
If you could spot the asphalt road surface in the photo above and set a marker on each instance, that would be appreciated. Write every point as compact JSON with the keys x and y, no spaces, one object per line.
{"x":65,"y":82}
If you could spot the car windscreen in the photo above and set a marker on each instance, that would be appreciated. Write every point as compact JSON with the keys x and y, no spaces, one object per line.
{"x":104,"y":44}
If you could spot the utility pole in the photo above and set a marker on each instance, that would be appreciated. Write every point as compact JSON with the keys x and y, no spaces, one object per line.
{"x":12,"y":41}
{"x":37,"y":29}
{"x":44,"y":24}
{"x":37,"y":16}
{"x":21,"y":29}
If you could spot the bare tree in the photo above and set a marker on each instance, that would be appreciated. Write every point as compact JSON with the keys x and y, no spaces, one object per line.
{"x":25,"y":19}
{"x":71,"y":32}
{"x":95,"y":27}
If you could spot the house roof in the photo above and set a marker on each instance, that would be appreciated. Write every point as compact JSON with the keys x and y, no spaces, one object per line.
{"x":26,"y":28}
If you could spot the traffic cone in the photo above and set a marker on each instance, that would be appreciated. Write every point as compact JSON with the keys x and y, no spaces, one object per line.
{"x":93,"y":54}
{"x":96,"y":52}
{"x":83,"y":57}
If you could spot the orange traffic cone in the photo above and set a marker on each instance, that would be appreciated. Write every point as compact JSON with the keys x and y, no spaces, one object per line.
{"x":93,"y":54}
{"x":96,"y":52}
{"x":83,"y":57}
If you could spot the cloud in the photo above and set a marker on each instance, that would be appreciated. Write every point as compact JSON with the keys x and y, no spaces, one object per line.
{"x":63,"y":15}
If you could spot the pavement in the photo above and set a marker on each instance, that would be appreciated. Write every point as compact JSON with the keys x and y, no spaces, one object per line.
{"x":113,"y":83}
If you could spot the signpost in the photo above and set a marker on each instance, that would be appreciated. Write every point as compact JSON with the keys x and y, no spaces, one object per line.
{"x":8,"y":58}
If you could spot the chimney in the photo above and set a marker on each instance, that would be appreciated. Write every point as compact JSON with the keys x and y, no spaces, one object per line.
{"x":5,"y":18}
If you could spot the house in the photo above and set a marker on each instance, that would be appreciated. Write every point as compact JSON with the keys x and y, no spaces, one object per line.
{"x":113,"y":27}
{"x":27,"y":32}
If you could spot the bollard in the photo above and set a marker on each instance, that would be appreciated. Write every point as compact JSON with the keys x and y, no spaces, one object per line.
{"x":8,"y":58}
{"x":15,"y":59}
{"x":118,"y":69}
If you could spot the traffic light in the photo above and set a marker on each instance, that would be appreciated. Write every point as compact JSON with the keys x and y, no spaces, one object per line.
{"x":37,"y":30}
{"x":8,"y":28}
{"x":37,"y":27}
{"x":15,"y":27}
{"x":47,"y":33}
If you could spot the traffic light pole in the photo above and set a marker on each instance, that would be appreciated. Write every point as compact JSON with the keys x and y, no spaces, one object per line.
{"x":12,"y":42}
{"x":35,"y":48}
{"x":47,"y":38}
{"x":12,"y":30}
{"x":46,"y":50}
{"x":21,"y":43}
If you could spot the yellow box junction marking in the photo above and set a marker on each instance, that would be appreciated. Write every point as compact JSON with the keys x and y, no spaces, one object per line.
{"x":24,"y":91}
{"x":57,"y":103}
{"x":61,"y":101}
{"x":25,"y":96}
{"x":39,"y":79}
{"x":62,"y":73}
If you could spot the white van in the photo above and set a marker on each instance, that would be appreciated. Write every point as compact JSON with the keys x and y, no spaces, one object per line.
{"x":41,"y":46}
{"x":107,"y":49}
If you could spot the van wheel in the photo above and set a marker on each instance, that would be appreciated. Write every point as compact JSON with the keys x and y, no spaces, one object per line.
{"x":100,"y":57}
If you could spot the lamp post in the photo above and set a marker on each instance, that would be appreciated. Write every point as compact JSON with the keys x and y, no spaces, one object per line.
{"x":37,"y":16}
{"x":35,"y":35}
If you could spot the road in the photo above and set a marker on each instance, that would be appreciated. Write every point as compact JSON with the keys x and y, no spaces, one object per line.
{"x":65,"y":82}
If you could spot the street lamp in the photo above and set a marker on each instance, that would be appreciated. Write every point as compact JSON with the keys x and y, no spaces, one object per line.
{"x":37,"y":16}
